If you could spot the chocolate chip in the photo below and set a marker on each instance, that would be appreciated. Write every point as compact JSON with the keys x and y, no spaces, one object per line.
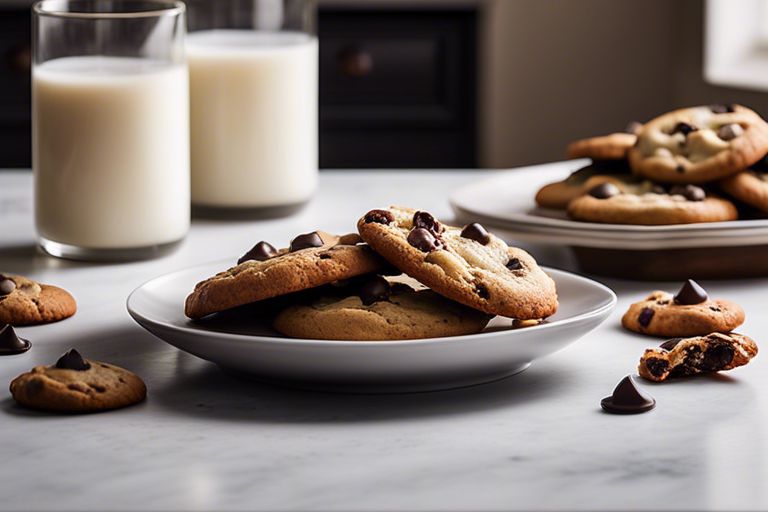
{"x":717,"y":357}
{"x":379,"y":217}
{"x":514,"y":264}
{"x":375,"y":289}
{"x":72,"y":360}
{"x":671,"y":343}
{"x":482,"y":291}
{"x":423,"y":240}
{"x":680,"y":169}
{"x":259,"y":252}
{"x":689,"y":192}
{"x":10,"y":343}
{"x":657,"y":367}
{"x":627,"y":398}
{"x":604,"y":191}
{"x":633,"y":128}
{"x":645,"y":316}
{"x":721,"y":109}
{"x":691,"y":293}
{"x":427,"y":221}
{"x":476,"y":232}
{"x":730,"y":131}
{"x":683,"y":128}
{"x":306,"y":241}
{"x":715,"y":309}
{"x":6,"y":286}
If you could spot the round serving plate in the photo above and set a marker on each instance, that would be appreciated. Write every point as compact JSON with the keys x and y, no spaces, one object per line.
{"x":246,"y":344}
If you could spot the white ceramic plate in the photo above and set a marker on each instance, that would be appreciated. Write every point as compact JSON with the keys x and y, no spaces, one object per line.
{"x":253,"y":348}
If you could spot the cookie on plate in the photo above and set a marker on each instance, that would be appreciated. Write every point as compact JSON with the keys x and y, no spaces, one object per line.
{"x":27,"y":302}
{"x":699,"y":144}
{"x":313,"y":259}
{"x":468,"y":265}
{"x":688,"y":313}
{"x":606,"y":147}
{"x":750,"y":186}
{"x":682,"y":357}
{"x":557,"y":195}
{"x":647,"y":204}
{"x":375,"y":309}
{"x":77,"y":385}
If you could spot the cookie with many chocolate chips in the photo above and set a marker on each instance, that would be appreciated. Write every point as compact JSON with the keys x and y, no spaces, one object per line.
{"x":375,"y":309}
{"x":699,"y":144}
{"x":682,"y":357}
{"x":77,"y":385}
{"x":466,"y":265}
{"x":313,"y":259}
{"x":688,"y":313}
{"x":557,"y":195}
{"x":27,"y":302}
{"x":645,"y":203}
{"x":606,"y":147}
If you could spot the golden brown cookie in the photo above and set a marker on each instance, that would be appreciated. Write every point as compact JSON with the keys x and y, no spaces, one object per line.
{"x":750,"y":187}
{"x":557,"y":195}
{"x":649,"y":204}
{"x":682,"y":357}
{"x":77,"y":385}
{"x":26,"y":302}
{"x":688,"y":313}
{"x":606,"y":147}
{"x":699,"y":144}
{"x":376,"y":310}
{"x":312,"y":260}
{"x":468,"y":265}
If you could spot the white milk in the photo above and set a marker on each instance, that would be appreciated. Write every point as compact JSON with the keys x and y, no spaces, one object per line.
{"x":111,"y":152}
{"x":253,"y":117}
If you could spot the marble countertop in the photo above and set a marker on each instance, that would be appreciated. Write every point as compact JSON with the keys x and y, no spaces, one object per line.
{"x":206,"y":441}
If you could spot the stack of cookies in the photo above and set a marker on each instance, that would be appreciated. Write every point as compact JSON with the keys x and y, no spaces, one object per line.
{"x":406,"y":275}
{"x":699,"y":164}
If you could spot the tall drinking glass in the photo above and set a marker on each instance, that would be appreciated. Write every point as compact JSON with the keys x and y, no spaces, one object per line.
{"x":110,"y":101}
{"x":253,"y":68}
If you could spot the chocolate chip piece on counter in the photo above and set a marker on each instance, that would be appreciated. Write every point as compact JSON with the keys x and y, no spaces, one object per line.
{"x":633,"y":128}
{"x":670,"y":344}
{"x":476,"y":232}
{"x":689,"y":192}
{"x":72,"y":360}
{"x":721,"y":109}
{"x":375,"y":289}
{"x":646,"y":314}
{"x":691,"y":293}
{"x":423,"y":240}
{"x":10,"y":343}
{"x":514,"y":264}
{"x":306,"y":241}
{"x":259,"y":252}
{"x":604,"y":191}
{"x":7,"y":285}
{"x":427,"y":221}
{"x":683,"y":128}
{"x":379,"y":217}
{"x":730,"y":131}
{"x":628,"y":398}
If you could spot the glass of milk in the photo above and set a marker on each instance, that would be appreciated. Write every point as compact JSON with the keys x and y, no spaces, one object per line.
{"x":110,"y":129}
{"x":253,"y":68}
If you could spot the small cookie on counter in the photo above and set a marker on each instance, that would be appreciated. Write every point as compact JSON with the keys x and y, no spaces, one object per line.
{"x":606,"y":147}
{"x":27,"y":302}
{"x":650,"y":204}
{"x":557,"y":195}
{"x":699,"y":144}
{"x":78,"y":385}
{"x":682,"y":357}
{"x":313,"y":259}
{"x":468,"y":265}
{"x":688,"y":313}
{"x":372,"y":308}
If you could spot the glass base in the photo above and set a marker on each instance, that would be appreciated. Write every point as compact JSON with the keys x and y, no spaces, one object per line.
{"x":246,"y":213}
{"x":73,"y":252}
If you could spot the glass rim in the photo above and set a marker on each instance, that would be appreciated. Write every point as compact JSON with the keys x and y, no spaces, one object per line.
{"x":164,"y":8}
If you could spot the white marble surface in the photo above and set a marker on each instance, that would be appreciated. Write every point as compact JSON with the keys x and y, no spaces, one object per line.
{"x":205,"y":440}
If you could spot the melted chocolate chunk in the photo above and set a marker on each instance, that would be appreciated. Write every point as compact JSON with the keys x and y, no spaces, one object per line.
{"x":604,"y":191}
{"x":306,"y":241}
{"x":657,"y":367}
{"x":633,"y":128}
{"x":645,"y":316}
{"x":72,"y":360}
{"x":10,"y":343}
{"x":514,"y":264}
{"x":379,"y":217}
{"x":627,"y":398}
{"x":427,"y":221}
{"x":671,"y":343}
{"x":683,"y":128}
{"x":721,"y":109}
{"x":476,"y":232}
{"x":423,"y":240}
{"x":482,"y":291}
{"x":259,"y":252}
{"x":691,"y":293}
{"x":375,"y":289}
{"x":689,"y":192}
{"x":7,"y":285}
{"x":717,"y":357}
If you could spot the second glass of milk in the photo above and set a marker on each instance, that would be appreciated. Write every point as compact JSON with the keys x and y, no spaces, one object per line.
{"x":253,"y":67}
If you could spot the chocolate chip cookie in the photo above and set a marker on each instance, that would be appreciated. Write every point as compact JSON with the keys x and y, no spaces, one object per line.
{"x":77,"y":385}
{"x":688,"y":313}
{"x":750,"y":187}
{"x":467,"y":265}
{"x":646,"y":203}
{"x":557,"y":195}
{"x":699,"y":144}
{"x":682,"y":357}
{"x":375,"y":309}
{"x":313,"y":259}
{"x":607,"y":147}
{"x":27,"y":302}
